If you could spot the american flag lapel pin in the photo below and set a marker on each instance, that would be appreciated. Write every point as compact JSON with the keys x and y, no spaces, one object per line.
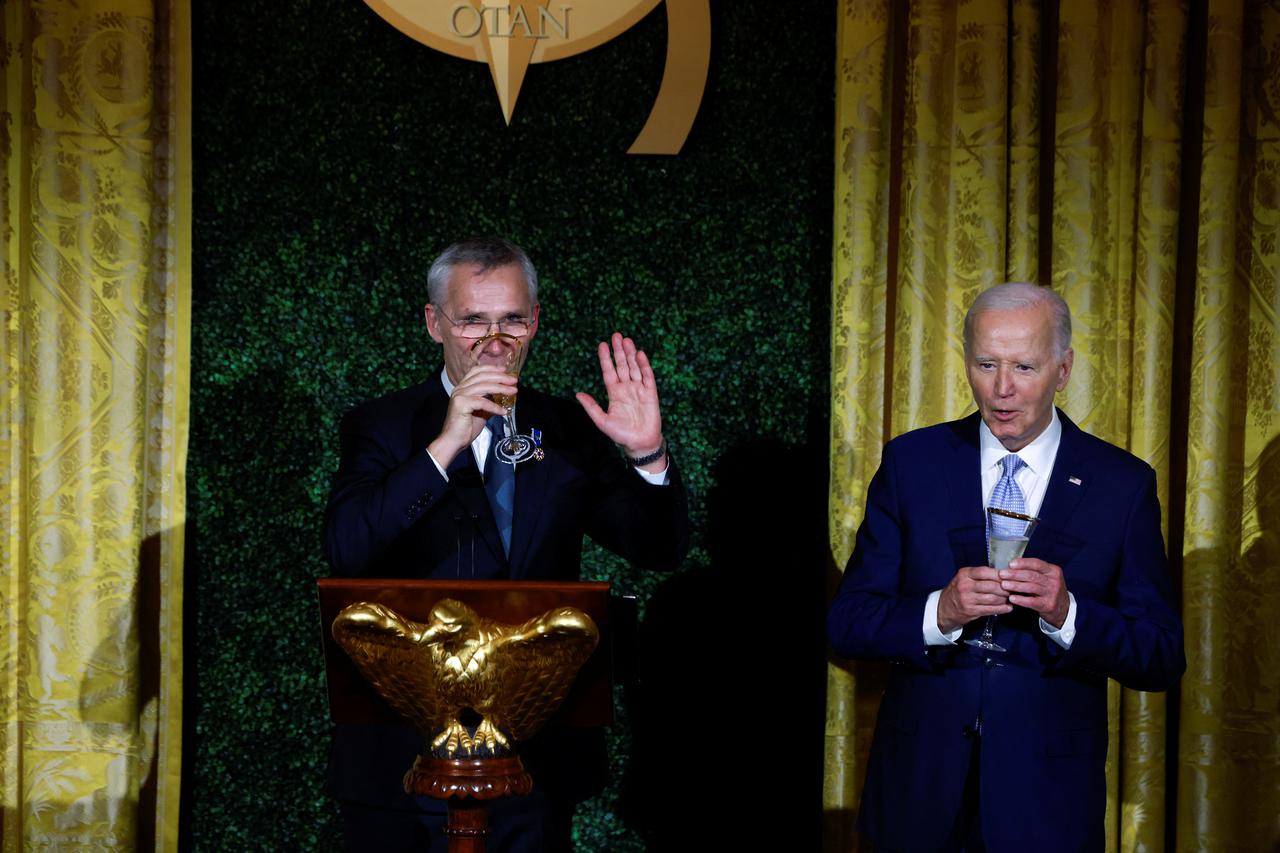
{"x":1075,"y":481}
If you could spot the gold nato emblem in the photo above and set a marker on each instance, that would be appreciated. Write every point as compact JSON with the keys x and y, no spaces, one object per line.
{"x":508,"y":37}
{"x":458,"y":664}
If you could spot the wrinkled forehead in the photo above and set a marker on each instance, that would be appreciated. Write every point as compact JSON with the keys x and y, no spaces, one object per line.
{"x":474,"y":289}
{"x":1022,"y":328}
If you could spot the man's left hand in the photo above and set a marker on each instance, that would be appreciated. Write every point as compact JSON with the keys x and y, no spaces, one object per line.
{"x":633,"y":419}
{"x":1033,"y":583}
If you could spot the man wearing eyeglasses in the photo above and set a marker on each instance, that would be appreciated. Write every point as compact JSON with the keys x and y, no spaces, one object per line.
{"x":419,"y":493}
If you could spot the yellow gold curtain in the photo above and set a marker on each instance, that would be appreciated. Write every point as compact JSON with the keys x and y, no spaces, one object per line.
{"x":94,"y":128}
{"x":1115,"y":219}
{"x":858,"y":320}
{"x":951,"y":117}
{"x":1229,"y":733}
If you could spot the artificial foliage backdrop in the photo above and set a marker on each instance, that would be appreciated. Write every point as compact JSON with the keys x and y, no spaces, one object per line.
{"x":334,"y":157}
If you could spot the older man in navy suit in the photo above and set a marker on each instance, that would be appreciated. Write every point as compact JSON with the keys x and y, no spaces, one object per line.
{"x":977,"y":748}
{"x":419,"y":492}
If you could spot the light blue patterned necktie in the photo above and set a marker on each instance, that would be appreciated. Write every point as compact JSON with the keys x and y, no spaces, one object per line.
{"x":500,"y":483}
{"x":1007,"y":495}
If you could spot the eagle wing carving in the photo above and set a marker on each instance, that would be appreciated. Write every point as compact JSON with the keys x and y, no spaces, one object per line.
{"x":390,"y":653}
{"x":513,"y":676}
{"x":539,"y":661}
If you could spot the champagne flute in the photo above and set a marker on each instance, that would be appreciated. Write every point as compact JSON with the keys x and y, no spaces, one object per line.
{"x":504,"y":350}
{"x":1008,"y":533}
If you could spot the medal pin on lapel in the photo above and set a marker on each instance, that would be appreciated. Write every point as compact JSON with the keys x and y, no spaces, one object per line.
{"x":538,"y":453}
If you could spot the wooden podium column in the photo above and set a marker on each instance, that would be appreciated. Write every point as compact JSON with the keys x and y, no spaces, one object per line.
{"x":468,"y":784}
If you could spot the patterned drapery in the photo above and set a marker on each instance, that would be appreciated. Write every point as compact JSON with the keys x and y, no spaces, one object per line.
{"x":94,"y":129}
{"x":1127,"y":155}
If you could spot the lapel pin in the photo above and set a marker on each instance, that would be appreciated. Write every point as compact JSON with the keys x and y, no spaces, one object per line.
{"x":1075,"y":481}
{"x":538,"y":453}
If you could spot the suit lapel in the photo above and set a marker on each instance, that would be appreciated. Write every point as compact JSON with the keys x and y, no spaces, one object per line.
{"x":429,"y":418}
{"x":964,"y":476}
{"x":531,"y":481}
{"x":1068,"y":483}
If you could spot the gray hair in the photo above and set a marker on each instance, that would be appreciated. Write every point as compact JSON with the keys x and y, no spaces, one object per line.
{"x":485,"y":252}
{"x":1015,"y":295}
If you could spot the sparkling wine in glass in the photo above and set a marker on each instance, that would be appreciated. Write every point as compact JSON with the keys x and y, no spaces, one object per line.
{"x":1008,"y":533}
{"x":504,"y":350}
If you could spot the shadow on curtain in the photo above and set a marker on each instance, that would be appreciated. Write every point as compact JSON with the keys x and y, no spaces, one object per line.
{"x":95,"y":262}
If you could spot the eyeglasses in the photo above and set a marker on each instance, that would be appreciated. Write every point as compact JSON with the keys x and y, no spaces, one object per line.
{"x":478,"y":327}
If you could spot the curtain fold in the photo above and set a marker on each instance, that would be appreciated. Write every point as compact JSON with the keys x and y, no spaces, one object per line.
{"x":955,"y":182}
{"x":1138,"y":762}
{"x":1106,"y":127}
{"x":96,"y":260}
{"x":1229,"y":739}
{"x":1022,"y":241}
{"x":858,"y":339}
{"x":1000,"y":154}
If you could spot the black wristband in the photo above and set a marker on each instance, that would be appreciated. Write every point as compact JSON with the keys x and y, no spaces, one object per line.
{"x":641,"y":461}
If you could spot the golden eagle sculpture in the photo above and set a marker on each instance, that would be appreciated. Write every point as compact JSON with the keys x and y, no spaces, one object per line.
{"x":513,"y":677}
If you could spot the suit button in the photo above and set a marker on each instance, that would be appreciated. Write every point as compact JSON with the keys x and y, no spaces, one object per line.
{"x":989,"y":662}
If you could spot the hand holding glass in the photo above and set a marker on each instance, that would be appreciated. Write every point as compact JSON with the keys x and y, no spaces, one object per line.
{"x":1008,"y":533}
{"x":504,"y":350}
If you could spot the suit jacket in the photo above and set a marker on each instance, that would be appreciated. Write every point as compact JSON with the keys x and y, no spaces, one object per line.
{"x":392,"y":515}
{"x":1044,"y":711}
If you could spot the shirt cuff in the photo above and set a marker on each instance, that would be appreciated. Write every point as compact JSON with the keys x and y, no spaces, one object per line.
{"x":658,"y":479}
{"x":1064,"y":635}
{"x":436,"y":462}
{"x":933,"y":636}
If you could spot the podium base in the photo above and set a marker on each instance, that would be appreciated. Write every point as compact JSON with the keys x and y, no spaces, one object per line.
{"x":468,"y":784}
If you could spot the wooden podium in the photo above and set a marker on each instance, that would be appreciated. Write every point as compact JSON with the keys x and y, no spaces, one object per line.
{"x":467,"y":783}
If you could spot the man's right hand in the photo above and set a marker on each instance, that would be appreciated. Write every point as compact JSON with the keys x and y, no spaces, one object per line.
{"x":469,"y":408}
{"x":973,"y":593}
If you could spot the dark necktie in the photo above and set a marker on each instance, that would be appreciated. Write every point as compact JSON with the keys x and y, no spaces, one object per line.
{"x":500,"y":483}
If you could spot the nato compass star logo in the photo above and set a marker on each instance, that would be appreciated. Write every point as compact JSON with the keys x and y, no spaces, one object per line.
{"x":508,"y":37}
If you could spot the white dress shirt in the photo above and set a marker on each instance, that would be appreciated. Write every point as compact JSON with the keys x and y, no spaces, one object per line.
{"x":1033,"y":480}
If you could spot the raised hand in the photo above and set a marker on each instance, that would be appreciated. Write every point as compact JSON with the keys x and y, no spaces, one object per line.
{"x":633,"y":419}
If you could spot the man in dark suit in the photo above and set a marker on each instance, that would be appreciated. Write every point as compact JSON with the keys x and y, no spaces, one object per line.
{"x":981,"y":749}
{"x":419,"y":493}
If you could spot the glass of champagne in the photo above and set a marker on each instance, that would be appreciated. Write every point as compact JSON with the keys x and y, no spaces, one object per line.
{"x":504,"y":351}
{"x":1008,"y":533}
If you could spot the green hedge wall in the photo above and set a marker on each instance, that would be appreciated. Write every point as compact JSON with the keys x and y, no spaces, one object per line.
{"x":334,"y":157}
